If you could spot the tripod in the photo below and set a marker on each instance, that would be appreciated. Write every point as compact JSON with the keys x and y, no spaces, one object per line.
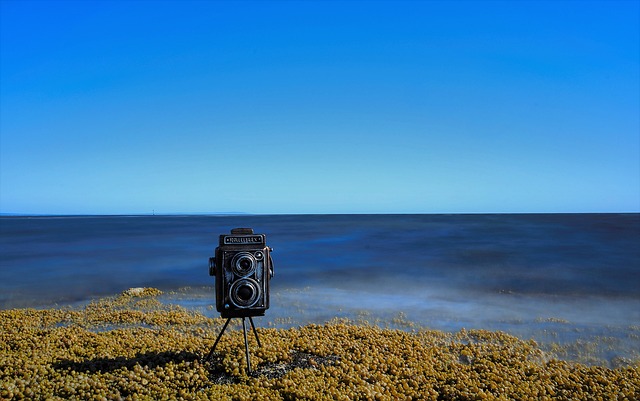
{"x":246,"y":343}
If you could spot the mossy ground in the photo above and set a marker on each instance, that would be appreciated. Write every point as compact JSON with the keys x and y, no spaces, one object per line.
{"x":134,"y":347}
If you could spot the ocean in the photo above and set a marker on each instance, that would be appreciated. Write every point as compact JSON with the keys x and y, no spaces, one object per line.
{"x":541,"y":276}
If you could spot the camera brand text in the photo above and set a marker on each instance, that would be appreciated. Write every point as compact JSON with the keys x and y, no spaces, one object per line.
{"x":251,"y":239}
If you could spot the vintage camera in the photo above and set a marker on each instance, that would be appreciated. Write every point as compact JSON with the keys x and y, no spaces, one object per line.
{"x":243,"y":268}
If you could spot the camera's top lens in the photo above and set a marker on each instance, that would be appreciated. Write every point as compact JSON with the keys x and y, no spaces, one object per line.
{"x":243,"y":264}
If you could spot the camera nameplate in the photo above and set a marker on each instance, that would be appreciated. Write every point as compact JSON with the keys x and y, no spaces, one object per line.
{"x":243,"y":239}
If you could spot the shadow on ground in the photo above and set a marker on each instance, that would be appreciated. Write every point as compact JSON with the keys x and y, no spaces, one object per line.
{"x":149,"y":359}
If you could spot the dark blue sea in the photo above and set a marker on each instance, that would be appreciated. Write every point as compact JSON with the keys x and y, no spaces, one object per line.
{"x":527,"y":274}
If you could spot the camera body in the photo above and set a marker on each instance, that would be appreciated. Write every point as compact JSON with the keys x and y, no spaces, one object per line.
{"x":243,"y":268}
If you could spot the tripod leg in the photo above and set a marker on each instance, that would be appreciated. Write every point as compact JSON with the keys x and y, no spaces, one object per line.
{"x":253,"y":326}
{"x":218,"y":339}
{"x":246,"y":345}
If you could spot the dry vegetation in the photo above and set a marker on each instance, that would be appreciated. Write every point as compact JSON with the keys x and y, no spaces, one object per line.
{"x":133,"y":347}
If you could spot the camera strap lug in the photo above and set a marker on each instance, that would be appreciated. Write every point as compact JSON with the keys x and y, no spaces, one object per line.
{"x":271,"y":268}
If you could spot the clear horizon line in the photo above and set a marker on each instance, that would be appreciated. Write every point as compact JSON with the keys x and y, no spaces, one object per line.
{"x":223,"y":214}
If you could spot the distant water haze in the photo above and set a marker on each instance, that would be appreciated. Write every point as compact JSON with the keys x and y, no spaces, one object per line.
{"x":511,"y":272}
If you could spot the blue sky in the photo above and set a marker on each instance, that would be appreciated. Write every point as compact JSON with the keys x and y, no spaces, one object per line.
{"x":319,"y":107}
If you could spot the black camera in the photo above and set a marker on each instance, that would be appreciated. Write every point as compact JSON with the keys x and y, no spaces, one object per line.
{"x":243,"y":268}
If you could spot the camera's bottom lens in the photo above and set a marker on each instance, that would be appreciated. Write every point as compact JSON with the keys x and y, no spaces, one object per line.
{"x":244,"y":293}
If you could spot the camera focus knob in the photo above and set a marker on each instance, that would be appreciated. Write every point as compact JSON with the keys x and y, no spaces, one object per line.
{"x":212,"y":266}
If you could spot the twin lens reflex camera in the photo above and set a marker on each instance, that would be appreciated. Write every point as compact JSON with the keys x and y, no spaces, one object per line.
{"x":243,"y":268}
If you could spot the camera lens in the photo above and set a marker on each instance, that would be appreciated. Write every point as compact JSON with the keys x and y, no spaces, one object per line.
{"x":244,"y":293}
{"x":243,"y":264}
